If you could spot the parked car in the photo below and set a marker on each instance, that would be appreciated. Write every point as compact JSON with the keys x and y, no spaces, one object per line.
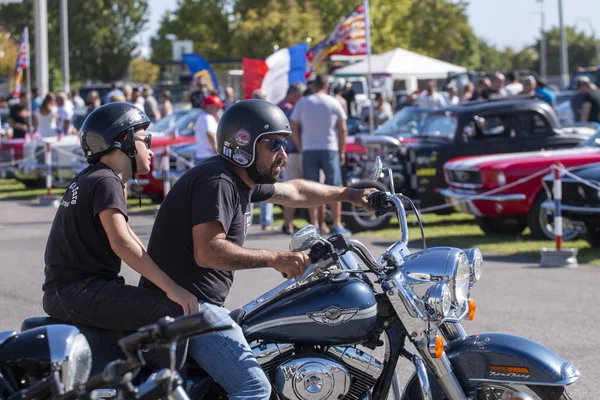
{"x":480,"y":128}
{"x":580,"y":203}
{"x":513,"y":209}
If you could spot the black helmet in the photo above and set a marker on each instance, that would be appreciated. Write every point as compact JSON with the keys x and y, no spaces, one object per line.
{"x":243,"y":124}
{"x":106,"y":128}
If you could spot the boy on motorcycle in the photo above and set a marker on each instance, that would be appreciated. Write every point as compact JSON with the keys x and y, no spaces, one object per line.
{"x":90,"y":234}
{"x":200,"y":229}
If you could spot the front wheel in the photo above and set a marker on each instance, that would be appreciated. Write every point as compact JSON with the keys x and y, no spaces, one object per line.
{"x":490,"y":391}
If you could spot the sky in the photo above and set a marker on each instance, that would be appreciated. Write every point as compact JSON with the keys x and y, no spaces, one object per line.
{"x":505,"y":23}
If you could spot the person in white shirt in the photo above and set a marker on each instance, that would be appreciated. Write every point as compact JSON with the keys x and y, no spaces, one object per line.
{"x":452,"y":97}
{"x":65,"y":114}
{"x":205,"y":130}
{"x":515,"y":87}
{"x":45,"y":117}
{"x":431,"y":98}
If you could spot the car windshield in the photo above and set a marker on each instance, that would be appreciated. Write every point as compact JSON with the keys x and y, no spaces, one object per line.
{"x":440,"y":125}
{"x":169,"y":121}
{"x":593,"y":141}
{"x":406,"y":122}
{"x":185,"y":125}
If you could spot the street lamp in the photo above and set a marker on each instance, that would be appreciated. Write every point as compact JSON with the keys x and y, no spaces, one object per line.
{"x":564,"y":61}
{"x":543,"y":64}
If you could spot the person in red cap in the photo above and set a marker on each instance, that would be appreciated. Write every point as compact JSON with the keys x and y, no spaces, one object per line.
{"x":205,"y":130}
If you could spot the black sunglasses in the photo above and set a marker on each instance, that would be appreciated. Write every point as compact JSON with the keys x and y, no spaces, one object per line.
{"x":276,"y":144}
{"x":147,"y":139}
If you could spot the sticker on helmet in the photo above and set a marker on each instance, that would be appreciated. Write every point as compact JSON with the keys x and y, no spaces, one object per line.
{"x":241,"y":157}
{"x":242,"y":138}
{"x":226,"y":151}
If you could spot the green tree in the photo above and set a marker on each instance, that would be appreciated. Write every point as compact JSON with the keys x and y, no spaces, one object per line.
{"x":101,"y":34}
{"x":142,"y":70}
{"x":581,"y":49}
{"x":8,"y":54}
{"x":492,"y":59}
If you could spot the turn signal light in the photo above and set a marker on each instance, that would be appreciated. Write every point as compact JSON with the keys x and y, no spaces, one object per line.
{"x":472,"y":309}
{"x":439,"y":347}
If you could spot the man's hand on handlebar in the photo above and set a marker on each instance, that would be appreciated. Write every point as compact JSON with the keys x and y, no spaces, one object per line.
{"x":291,"y":264}
{"x":360,"y":198}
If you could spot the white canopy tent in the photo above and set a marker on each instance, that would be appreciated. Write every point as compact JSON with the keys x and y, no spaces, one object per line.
{"x":403,"y":65}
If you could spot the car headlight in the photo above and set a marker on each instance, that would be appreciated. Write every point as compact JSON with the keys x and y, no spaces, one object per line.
{"x":476,"y":261}
{"x":501,"y":179}
{"x":76,"y":369}
{"x":438,"y":300}
{"x":461,"y":279}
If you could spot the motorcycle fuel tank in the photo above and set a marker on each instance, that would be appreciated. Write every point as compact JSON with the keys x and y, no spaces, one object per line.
{"x":323,"y":312}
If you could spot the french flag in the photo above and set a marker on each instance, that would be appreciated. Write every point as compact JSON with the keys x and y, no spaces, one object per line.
{"x":275,"y":74}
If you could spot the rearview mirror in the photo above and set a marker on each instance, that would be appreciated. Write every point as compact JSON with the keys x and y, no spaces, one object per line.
{"x":377,"y":168}
{"x":304,"y":238}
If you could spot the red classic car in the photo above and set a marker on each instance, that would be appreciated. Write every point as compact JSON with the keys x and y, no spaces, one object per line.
{"x":513,"y":209}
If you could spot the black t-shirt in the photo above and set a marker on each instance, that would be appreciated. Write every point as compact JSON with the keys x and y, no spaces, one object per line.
{"x":593,"y":97}
{"x":78,"y":246}
{"x":18,"y":113}
{"x":211,"y":191}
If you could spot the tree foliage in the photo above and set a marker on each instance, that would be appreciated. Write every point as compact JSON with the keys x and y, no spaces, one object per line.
{"x":8,"y":54}
{"x":142,"y":70}
{"x":101,"y":34}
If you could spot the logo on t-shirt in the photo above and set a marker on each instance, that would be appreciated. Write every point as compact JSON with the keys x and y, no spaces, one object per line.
{"x":242,"y":138}
{"x":74,"y":194}
{"x":247,"y":222}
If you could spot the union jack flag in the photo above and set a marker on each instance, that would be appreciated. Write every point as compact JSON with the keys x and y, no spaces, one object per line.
{"x":22,"y":63}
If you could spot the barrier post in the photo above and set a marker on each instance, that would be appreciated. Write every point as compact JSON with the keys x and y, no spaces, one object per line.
{"x":166,"y":167}
{"x":559,"y":256}
{"x":48,"y":162}
{"x":557,"y":189}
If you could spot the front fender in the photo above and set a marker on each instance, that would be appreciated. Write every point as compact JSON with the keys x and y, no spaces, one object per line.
{"x":499,"y":357}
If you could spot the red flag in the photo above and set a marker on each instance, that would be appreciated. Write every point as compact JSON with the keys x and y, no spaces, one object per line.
{"x":254,"y":72}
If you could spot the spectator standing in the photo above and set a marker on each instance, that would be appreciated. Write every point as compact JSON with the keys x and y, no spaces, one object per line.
{"x":382,"y":111}
{"x":452,"y":98}
{"x":65,"y":114}
{"x":590,"y":102}
{"x":205,"y":130}
{"x":113,"y":91}
{"x":468,"y":92}
{"x":44,"y":120}
{"x":78,"y":102}
{"x":166,"y":108}
{"x":199,"y":93}
{"x":150,"y":104}
{"x":337,"y":92}
{"x":36,"y":100}
{"x":323,"y":123}
{"x":18,"y":117}
{"x":430,"y":97}
{"x":229,"y":97}
{"x":496,"y":91}
{"x":529,"y":86}
{"x":92,"y":101}
{"x":350,"y":96}
{"x":515,"y":87}
{"x":293,"y":168}
{"x":544,"y":93}
{"x":136,"y":98}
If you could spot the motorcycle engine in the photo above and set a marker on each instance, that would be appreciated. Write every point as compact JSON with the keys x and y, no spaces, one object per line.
{"x":341,"y":372}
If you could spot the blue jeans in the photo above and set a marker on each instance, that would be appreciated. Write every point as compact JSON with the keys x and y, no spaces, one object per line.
{"x":266,"y":214}
{"x":327,"y":160}
{"x":227,"y":358}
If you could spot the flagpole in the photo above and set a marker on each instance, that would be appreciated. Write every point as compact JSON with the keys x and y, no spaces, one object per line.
{"x":30,"y":119}
{"x":369,"y":75}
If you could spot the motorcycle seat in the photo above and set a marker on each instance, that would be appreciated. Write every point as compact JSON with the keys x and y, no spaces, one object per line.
{"x":238,"y":315}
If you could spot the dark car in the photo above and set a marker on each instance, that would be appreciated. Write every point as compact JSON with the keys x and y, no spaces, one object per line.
{"x":580,"y":202}
{"x":479,"y":128}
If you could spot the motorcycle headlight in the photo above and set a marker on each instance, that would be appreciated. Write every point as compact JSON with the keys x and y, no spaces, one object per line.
{"x":76,"y":368}
{"x":461,"y":279}
{"x":438,"y":300}
{"x":476,"y":261}
{"x":501,"y":179}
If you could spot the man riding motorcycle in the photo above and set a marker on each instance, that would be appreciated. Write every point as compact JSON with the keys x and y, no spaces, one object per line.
{"x":90,"y":235}
{"x":201,"y":226}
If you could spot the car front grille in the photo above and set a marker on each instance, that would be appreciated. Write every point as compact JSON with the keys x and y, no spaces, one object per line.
{"x":465,"y":178}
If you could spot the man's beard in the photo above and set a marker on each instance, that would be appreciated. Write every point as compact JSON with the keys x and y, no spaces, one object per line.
{"x":268,"y":175}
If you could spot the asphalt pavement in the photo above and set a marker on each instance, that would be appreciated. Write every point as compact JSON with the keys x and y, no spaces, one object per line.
{"x":552,"y":306}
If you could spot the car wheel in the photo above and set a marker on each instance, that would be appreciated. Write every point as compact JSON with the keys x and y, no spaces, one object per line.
{"x":541,"y":222}
{"x":497,"y":225}
{"x":356,"y":219}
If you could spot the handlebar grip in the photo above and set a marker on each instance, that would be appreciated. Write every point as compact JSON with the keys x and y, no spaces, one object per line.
{"x":204,"y":321}
{"x":379,"y":202}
